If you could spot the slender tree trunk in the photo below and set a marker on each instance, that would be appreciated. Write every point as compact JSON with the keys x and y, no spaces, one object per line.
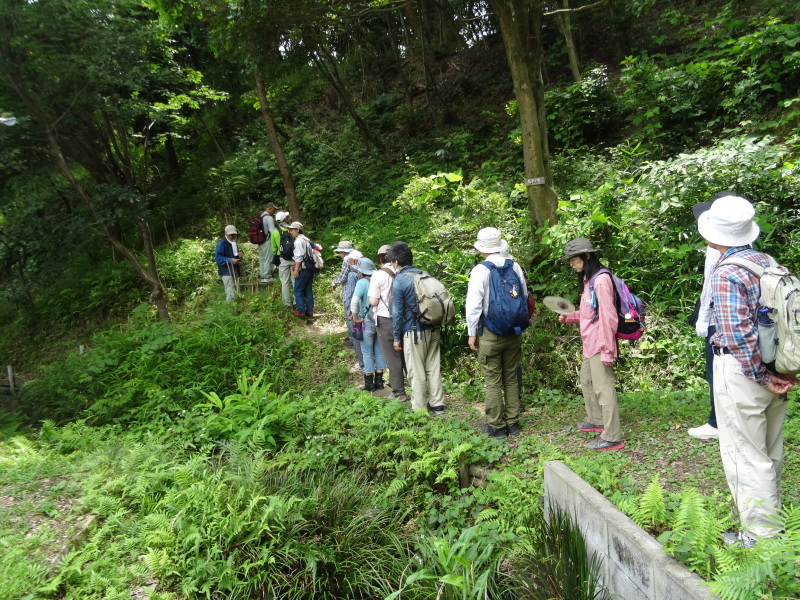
{"x":520,"y":24}
{"x":149,"y":276}
{"x":277,"y":149}
{"x":212,"y":136}
{"x":564,"y":21}
{"x":396,"y":56}
{"x":326,"y":63}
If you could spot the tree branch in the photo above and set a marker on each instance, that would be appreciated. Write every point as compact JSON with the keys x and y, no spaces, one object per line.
{"x":575,"y":10}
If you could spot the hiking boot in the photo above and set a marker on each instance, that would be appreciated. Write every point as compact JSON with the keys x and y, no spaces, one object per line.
{"x":601,"y":444}
{"x":401,"y":397}
{"x":513,"y":429}
{"x":704,"y":432}
{"x":739,"y":538}
{"x":368,"y":382}
{"x":436,"y":411}
{"x":378,"y":381}
{"x":586,"y":426}
{"x":498,"y":434}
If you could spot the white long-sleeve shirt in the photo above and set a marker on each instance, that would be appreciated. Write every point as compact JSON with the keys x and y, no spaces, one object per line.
{"x":478,"y":291}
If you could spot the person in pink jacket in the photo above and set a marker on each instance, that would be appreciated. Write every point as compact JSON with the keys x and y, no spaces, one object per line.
{"x":597,"y":318}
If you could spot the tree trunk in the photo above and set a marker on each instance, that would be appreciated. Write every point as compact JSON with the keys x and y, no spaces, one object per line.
{"x":564,"y":21}
{"x":326,"y":63}
{"x":520,"y":24}
{"x":149,"y":276}
{"x":277,"y":149}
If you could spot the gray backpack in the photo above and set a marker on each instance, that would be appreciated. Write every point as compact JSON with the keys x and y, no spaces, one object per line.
{"x":778,"y":314}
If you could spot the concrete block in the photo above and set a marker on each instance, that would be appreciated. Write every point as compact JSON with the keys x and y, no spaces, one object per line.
{"x":635,"y":566}
{"x":673,"y":581}
{"x":622,"y":588}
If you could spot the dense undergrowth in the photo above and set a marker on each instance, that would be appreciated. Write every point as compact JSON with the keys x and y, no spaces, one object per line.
{"x":226,"y":455}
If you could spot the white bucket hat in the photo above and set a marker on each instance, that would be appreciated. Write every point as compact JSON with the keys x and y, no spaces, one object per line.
{"x":729,"y":222}
{"x":489,"y":240}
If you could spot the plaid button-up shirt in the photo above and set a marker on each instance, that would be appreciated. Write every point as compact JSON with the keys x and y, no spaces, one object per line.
{"x":735,"y":292}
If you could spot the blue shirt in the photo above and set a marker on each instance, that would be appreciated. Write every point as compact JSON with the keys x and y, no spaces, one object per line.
{"x":404,"y":304}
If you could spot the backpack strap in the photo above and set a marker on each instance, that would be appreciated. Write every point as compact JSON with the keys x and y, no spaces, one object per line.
{"x":593,"y":297}
{"x":747,"y":264}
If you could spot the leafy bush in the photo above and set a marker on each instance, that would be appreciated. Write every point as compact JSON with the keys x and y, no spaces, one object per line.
{"x":583,"y":113}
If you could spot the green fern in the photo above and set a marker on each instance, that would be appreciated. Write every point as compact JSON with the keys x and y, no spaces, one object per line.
{"x":651,"y":509}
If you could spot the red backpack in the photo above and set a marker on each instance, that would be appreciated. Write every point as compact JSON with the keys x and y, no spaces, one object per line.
{"x":255,"y":230}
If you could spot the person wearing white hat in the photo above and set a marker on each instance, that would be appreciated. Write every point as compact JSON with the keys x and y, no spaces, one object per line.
{"x":380,"y":297}
{"x":749,"y":399}
{"x":282,"y":244}
{"x":499,"y":354}
{"x":265,"y":254}
{"x":303,"y":277}
{"x":227,"y":256}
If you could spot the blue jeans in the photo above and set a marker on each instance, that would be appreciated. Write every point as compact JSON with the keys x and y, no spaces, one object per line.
{"x":371,"y":349}
{"x":303,"y":293}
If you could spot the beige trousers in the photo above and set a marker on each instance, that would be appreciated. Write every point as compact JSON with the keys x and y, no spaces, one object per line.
{"x":600,"y":397}
{"x":750,"y":423}
{"x":423,"y":367}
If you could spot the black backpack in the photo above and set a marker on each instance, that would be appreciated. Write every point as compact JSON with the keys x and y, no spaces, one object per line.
{"x":287,"y":246}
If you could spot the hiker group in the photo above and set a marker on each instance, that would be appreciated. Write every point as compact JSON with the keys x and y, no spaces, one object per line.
{"x":395,"y":312}
{"x":283,"y":247}
{"x":748,"y":313}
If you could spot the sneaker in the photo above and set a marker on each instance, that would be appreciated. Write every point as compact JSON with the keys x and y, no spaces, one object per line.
{"x":586,"y":426}
{"x":401,"y":398}
{"x":267,"y":280}
{"x":298,"y":314}
{"x":704,"y":432}
{"x":513,"y":429}
{"x":498,"y":434}
{"x":309,"y":314}
{"x":601,"y":444}
{"x":437,"y":411}
{"x":740,"y":538}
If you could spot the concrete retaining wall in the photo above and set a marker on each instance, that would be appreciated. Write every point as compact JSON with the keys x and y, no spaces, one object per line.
{"x":635,"y":566}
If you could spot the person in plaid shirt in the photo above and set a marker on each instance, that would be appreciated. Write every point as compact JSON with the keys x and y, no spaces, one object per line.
{"x":750,"y":400}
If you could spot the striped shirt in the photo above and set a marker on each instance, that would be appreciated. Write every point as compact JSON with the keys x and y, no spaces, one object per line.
{"x":735,"y":292}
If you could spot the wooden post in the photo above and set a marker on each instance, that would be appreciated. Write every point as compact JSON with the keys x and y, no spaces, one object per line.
{"x":10,"y":372}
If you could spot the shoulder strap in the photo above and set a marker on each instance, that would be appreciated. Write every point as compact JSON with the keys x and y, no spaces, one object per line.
{"x":745,"y":263}
{"x":600,"y":272}
{"x":388,"y":271}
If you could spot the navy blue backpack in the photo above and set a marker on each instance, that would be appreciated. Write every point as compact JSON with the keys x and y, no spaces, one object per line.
{"x":507,"y":311}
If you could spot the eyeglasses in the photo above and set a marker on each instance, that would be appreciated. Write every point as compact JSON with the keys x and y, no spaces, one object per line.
{"x":574,"y":258}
